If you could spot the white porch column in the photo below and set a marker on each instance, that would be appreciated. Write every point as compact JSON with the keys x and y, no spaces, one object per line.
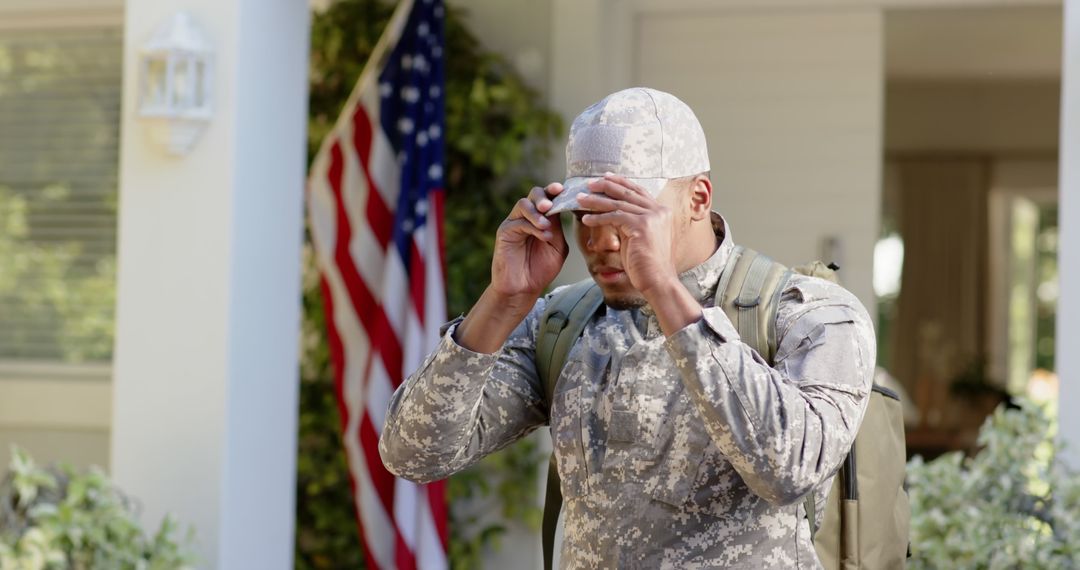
{"x":206,"y":373}
{"x":1068,"y":315}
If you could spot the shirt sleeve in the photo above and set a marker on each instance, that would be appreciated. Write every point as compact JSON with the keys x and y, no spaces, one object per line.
{"x":460,"y":405}
{"x":784,"y":428}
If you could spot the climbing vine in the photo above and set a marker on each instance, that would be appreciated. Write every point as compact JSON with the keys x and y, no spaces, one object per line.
{"x":498,"y":134}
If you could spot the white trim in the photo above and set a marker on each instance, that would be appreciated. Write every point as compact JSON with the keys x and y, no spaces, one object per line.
{"x":56,"y":6}
{"x":54,"y":370}
{"x":43,"y":403}
{"x":1067,"y":359}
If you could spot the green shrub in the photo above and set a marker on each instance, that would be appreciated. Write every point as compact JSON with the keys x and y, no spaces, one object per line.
{"x":497,"y":136}
{"x":1011,"y":505}
{"x":57,"y":518}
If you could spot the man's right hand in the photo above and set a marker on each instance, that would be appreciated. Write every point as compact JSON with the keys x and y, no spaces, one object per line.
{"x":529,"y":247}
{"x":529,"y":252}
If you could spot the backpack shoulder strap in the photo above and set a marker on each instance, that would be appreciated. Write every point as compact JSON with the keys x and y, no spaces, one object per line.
{"x":749,"y":293}
{"x":563,"y":321}
{"x":552,"y":508}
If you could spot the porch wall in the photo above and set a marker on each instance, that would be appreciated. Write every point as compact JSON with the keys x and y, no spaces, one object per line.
{"x":206,"y":363}
{"x":790,"y":100}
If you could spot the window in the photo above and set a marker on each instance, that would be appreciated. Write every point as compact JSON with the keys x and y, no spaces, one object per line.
{"x":60,"y":93}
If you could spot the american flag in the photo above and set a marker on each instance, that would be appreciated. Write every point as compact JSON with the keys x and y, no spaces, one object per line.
{"x":375,"y":199}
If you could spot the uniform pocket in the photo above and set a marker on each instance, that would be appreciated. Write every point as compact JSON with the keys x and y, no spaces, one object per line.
{"x":567,"y":438}
{"x":680,"y":444}
{"x":676,"y":472}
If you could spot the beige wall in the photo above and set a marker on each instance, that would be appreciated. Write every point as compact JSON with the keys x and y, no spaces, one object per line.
{"x":519,"y":30}
{"x":56,"y":420}
{"x":206,"y":373}
{"x":791,"y":105}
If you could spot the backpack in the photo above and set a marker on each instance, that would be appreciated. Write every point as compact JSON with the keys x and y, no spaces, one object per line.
{"x":864,"y":523}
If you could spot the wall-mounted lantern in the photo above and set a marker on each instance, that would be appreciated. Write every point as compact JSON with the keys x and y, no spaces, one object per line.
{"x":176,"y":84}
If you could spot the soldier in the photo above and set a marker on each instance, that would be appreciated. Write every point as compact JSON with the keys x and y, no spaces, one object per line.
{"x":677,"y":445}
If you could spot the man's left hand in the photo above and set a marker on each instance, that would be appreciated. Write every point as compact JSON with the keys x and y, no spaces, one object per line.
{"x":644,"y":226}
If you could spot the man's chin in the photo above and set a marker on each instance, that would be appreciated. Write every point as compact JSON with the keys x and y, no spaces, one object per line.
{"x":620,"y":295}
{"x":624,"y":301}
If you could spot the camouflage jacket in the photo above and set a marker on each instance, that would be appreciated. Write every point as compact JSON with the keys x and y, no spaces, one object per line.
{"x":680,"y":452}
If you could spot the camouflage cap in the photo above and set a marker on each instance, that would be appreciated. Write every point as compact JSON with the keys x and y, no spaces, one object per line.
{"x":646,"y":135}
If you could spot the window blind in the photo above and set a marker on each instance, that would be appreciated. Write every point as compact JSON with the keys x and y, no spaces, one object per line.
{"x":59,"y":142}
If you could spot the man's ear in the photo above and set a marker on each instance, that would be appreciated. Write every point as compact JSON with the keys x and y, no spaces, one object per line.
{"x":700,"y":195}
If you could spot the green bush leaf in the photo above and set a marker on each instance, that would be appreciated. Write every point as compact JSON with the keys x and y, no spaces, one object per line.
{"x":497,"y":136}
{"x":60,"y":518}
{"x":1010,"y":505}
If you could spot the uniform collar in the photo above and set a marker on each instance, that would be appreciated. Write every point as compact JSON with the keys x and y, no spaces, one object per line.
{"x":701,"y":280}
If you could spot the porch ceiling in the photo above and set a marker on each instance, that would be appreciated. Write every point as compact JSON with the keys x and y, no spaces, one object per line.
{"x":974,"y":43}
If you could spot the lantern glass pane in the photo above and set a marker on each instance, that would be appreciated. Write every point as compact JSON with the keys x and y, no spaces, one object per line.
{"x":156,"y":81}
{"x":199,"y":93}
{"x":181,"y":84}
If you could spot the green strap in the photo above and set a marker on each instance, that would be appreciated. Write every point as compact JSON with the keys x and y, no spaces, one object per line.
{"x":562,"y":323}
{"x":749,"y":299}
{"x":811,"y":514}
{"x":774,"y":306}
{"x":725,"y":277}
{"x":552,"y":507}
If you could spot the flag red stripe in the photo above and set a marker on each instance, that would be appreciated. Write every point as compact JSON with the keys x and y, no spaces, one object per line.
{"x":403,"y":555}
{"x":383,"y":338}
{"x":417,"y":283}
{"x":337,"y":361}
{"x":337,"y":352}
{"x":436,"y":496}
{"x":378,"y":214}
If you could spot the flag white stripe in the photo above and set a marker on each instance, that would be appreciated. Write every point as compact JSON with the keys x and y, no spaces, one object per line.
{"x":379,"y":391}
{"x":414,"y":345}
{"x":378,"y":528}
{"x":435,"y":295}
{"x":323,"y":221}
{"x":394,"y":293}
{"x":405,"y":510}
{"x":429,"y":549}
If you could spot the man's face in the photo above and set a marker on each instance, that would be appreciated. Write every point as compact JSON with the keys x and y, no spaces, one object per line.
{"x":601,"y":248}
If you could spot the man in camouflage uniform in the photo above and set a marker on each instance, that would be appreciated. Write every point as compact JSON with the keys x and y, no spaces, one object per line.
{"x":677,"y":445}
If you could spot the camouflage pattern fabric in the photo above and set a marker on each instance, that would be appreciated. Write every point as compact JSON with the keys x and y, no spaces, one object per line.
{"x":649,"y":136}
{"x":681,"y":452}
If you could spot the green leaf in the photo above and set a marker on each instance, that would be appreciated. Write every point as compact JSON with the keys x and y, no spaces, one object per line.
{"x":497,"y":138}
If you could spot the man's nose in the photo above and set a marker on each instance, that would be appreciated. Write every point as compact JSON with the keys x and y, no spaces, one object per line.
{"x":603,"y":238}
